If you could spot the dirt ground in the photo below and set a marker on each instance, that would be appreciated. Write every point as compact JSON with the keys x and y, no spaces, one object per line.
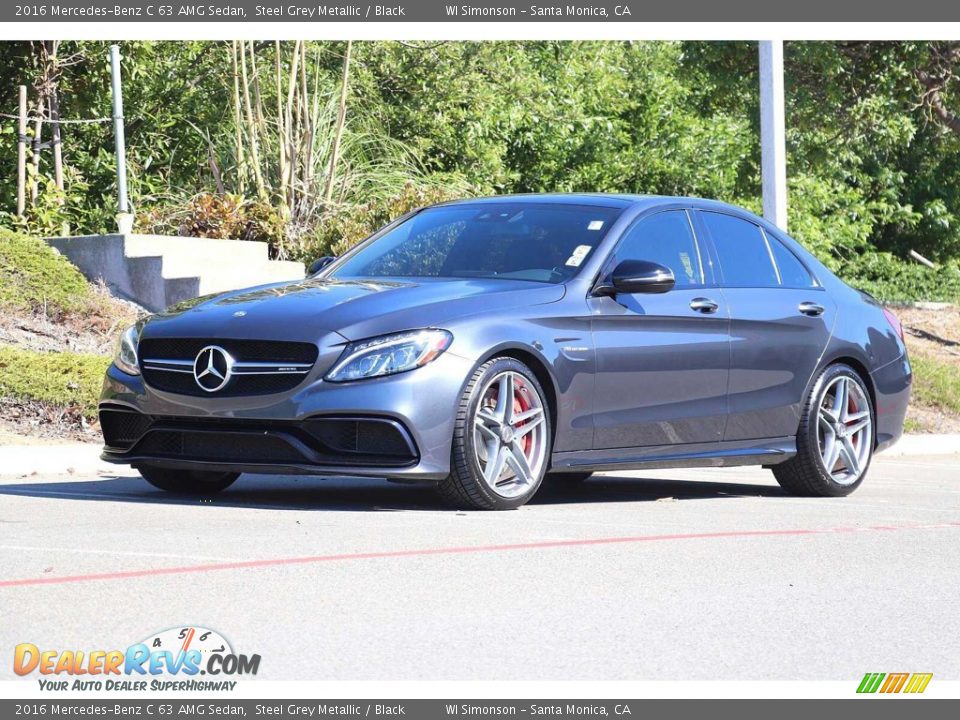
{"x":932,"y":332}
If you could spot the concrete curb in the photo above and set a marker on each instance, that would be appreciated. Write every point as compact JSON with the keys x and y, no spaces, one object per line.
{"x":65,"y":459}
{"x":84,"y":458}
{"x":923,"y":444}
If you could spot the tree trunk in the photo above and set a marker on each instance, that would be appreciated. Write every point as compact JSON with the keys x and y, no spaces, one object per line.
{"x":238,"y":122}
{"x":281,"y":133}
{"x":341,"y":122}
{"x":251,"y":126}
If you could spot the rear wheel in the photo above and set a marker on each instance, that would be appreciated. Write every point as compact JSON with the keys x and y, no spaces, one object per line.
{"x":187,"y":482}
{"x":835,"y":439}
{"x":501,"y":439}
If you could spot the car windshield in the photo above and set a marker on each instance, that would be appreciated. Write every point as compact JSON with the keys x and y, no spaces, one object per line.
{"x":543,"y":242}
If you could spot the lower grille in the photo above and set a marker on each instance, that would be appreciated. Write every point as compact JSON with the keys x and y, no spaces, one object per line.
{"x":218,"y":446}
{"x":322,"y":441}
{"x":122,"y":428}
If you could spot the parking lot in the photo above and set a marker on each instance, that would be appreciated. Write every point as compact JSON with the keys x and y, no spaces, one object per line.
{"x":680,"y":574}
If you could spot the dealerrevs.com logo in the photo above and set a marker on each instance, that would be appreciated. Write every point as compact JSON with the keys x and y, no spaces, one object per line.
{"x":173,"y":659}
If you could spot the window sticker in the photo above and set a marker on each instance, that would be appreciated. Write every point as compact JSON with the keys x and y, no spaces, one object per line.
{"x":595,"y":225}
{"x":687,"y":265}
{"x":578,"y":255}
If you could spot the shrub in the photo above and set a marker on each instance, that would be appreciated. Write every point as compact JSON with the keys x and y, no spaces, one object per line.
{"x":34,"y":277}
{"x":889,"y":278}
{"x":63,"y":380}
{"x":221,"y":216}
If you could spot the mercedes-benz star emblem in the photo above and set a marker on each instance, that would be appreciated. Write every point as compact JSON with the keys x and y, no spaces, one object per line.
{"x":213,"y":368}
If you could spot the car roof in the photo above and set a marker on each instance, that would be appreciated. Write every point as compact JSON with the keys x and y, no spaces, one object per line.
{"x":615,"y":200}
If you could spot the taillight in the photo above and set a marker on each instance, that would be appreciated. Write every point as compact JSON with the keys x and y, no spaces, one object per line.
{"x":894,"y":322}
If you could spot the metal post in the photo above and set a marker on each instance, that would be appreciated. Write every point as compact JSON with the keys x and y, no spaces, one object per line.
{"x":123,"y":218}
{"x":773,"y":151}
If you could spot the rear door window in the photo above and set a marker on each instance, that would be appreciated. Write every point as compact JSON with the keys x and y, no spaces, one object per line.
{"x":742,"y":250}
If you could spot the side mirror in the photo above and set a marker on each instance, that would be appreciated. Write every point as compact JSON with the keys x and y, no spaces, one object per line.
{"x":318,"y":265}
{"x":638,"y":276}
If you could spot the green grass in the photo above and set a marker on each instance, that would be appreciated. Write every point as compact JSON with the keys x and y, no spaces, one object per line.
{"x":936,"y":384}
{"x":912,"y":426}
{"x":35,"y":278}
{"x":62,"y":379}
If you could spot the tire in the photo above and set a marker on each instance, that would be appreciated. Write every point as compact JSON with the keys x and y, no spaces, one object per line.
{"x":477,"y":439}
{"x":187,"y":482}
{"x":806,"y":474}
{"x":567,"y":479}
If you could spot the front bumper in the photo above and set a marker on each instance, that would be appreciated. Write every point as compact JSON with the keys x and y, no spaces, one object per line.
{"x":398,"y":427}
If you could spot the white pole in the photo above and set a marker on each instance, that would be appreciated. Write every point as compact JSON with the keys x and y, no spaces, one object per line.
{"x":124,"y":219}
{"x":773,"y":150}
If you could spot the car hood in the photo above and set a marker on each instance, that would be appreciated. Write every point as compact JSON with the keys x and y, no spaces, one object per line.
{"x":355,"y":309}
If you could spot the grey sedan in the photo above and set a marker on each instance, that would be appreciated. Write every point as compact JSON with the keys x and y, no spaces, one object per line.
{"x":487,"y":346}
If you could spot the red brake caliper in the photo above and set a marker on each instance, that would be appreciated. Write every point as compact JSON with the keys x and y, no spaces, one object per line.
{"x":520,"y":405}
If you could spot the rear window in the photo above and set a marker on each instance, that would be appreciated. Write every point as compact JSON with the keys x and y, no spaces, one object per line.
{"x":792,"y":271}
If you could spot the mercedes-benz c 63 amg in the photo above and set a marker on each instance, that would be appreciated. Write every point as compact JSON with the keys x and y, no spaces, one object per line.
{"x":487,"y":346}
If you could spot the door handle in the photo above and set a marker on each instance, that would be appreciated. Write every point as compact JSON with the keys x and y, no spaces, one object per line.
{"x":704,"y":305}
{"x":811,"y":308}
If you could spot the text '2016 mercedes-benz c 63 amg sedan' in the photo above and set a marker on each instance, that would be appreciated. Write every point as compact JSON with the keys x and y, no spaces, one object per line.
{"x":489,"y":345}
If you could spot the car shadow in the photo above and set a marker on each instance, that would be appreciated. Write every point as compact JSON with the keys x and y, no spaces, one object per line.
{"x":300,"y":493}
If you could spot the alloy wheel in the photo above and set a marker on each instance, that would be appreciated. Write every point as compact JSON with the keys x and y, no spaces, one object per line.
{"x":845,"y":430}
{"x":510,"y":434}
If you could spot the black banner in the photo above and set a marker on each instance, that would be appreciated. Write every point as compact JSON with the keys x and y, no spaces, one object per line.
{"x":394,"y":11}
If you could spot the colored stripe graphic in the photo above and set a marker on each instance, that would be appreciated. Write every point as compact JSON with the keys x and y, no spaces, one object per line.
{"x":918,"y":682}
{"x":894,"y":682}
{"x":870,"y":682}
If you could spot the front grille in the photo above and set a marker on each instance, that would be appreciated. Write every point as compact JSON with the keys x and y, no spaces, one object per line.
{"x":272,"y":366}
{"x":357,"y":441}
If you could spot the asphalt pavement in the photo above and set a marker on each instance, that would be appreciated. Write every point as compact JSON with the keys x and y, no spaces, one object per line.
{"x":679,"y":574}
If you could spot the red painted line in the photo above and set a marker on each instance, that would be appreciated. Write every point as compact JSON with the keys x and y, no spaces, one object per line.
{"x":546,"y":544}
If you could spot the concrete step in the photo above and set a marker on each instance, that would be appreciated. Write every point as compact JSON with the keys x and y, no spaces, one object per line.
{"x":186,"y":247}
{"x":158,"y":271}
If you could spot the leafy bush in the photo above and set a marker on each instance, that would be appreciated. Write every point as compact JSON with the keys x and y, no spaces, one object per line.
{"x":340,"y":229}
{"x":221,"y":216}
{"x":889,"y":278}
{"x":64,"y":380}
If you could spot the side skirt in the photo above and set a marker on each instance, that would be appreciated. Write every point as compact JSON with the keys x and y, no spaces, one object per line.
{"x":766,"y":451}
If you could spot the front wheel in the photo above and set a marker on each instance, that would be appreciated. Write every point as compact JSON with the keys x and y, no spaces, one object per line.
{"x":501,"y":439}
{"x":187,"y":482}
{"x":835,"y":439}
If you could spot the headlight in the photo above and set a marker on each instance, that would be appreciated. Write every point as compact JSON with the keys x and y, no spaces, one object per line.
{"x":389,"y":354}
{"x":126,"y":357}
